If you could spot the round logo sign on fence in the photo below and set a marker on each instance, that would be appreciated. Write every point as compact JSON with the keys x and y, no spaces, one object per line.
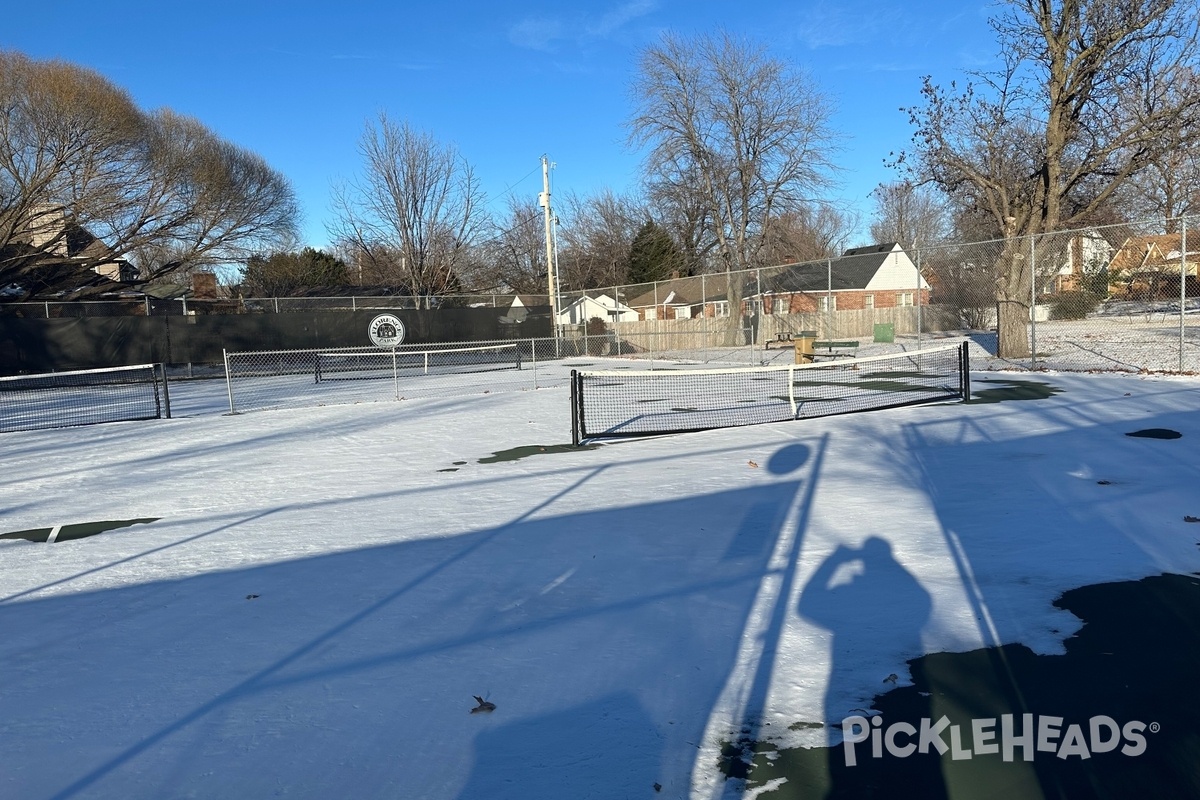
{"x":386,"y":330}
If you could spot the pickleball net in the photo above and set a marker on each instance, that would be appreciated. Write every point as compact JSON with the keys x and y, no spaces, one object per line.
{"x":83,"y":397}
{"x":626,"y":403}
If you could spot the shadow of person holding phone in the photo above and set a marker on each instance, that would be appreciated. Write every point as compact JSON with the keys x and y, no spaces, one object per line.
{"x":876,"y":611}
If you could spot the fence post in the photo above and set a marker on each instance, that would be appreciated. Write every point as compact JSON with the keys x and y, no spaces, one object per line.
{"x":1183,"y":250}
{"x":829,"y":332}
{"x":920,"y":323}
{"x":657,"y":327}
{"x":617,"y":318}
{"x":1032,"y":304}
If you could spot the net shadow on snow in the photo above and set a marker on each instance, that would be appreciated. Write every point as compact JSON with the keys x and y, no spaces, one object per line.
{"x":603,"y":638}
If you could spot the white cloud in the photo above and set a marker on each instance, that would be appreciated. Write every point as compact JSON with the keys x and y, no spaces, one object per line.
{"x":544,"y":33}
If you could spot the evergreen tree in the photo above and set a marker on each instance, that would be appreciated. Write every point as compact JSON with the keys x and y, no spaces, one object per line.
{"x":283,"y":273}
{"x":653,"y":255}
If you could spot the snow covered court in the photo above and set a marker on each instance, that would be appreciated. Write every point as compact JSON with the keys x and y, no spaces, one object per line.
{"x":322,"y":593}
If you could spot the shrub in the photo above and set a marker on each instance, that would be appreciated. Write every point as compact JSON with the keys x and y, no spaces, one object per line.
{"x":597,"y":336}
{"x":1073,"y":305}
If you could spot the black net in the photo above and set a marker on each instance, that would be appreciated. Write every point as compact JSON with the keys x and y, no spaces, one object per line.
{"x":85,"y":397}
{"x":618,"y":403}
{"x":365,"y":365}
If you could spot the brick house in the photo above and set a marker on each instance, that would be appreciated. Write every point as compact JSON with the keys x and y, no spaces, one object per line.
{"x":1149,"y":265}
{"x":878,"y":276}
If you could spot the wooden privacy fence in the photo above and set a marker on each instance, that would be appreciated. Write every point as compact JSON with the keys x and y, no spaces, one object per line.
{"x":658,"y":335}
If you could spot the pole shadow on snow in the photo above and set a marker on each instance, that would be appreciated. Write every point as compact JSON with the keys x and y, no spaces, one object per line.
{"x":603,"y":638}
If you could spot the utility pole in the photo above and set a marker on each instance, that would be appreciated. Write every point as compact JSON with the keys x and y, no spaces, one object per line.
{"x":544,"y":202}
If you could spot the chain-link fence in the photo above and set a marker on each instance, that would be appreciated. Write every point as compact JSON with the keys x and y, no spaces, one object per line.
{"x":304,"y":378}
{"x":142,"y":306}
{"x":146,"y":305}
{"x":1119,"y":297}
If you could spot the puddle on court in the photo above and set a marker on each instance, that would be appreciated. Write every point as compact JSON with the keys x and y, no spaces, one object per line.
{"x":1156,"y":433}
{"x":79,"y":530}
{"x":524,"y":451}
{"x":1011,"y":389}
{"x":1133,"y":661}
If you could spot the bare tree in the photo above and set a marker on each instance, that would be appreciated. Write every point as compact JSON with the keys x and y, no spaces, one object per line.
{"x":812,"y":231}
{"x":912,"y":215}
{"x":1090,"y":95}
{"x":76,"y":155}
{"x":209,"y":202}
{"x":1169,"y":186}
{"x":514,"y":257}
{"x":745,"y":131}
{"x":413,"y":215}
{"x":687,"y":216}
{"x":594,"y":240}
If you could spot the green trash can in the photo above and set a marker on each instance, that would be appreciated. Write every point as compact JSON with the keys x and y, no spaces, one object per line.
{"x":885,"y":332}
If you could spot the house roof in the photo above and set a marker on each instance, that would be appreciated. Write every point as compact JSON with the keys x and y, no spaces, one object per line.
{"x":1154,"y":252}
{"x":688,"y":291}
{"x":41,"y":276}
{"x":854,"y":269}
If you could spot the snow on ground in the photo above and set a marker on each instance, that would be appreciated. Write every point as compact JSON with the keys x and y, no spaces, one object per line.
{"x":326,"y":589}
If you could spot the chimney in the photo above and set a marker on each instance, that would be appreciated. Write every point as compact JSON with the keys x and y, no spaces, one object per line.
{"x":204,"y":286}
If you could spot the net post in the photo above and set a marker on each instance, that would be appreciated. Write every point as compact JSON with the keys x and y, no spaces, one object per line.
{"x":964,"y":365}
{"x":396,"y":370}
{"x":228,"y":381}
{"x":533,"y":359}
{"x":166,"y":410}
{"x":575,"y":397}
{"x":791,"y":379}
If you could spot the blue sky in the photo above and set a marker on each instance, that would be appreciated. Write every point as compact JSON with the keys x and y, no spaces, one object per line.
{"x":297,"y":81}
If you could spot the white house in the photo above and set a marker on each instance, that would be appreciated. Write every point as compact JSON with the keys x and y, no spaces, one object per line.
{"x":583,"y":308}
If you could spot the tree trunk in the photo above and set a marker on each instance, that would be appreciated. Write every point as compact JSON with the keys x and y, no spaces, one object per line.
{"x":1013,"y":329}
{"x":733,"y":323}
{"x":1013,"y":286}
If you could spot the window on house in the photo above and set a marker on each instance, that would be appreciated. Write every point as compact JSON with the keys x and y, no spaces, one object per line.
{"x":720,"y":308}
{"x":828,"y":303}
{"x":904,"y":299}
{"x":782,"y":305}
{"x":868,"y":301}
